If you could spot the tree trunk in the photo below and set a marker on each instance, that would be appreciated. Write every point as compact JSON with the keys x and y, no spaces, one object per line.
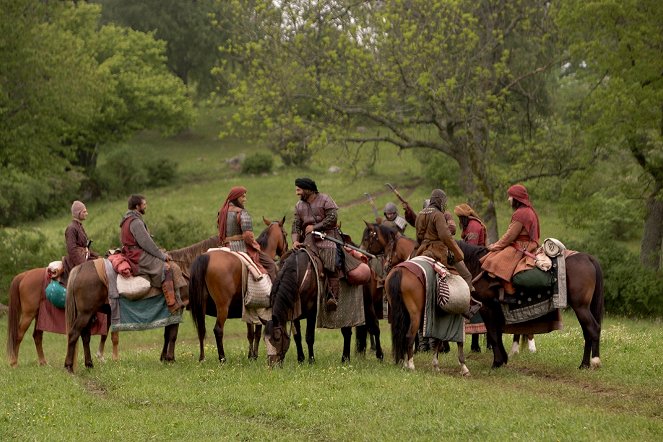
{"x":651,"y":247}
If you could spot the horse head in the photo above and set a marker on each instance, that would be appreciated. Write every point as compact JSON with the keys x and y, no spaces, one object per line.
{"x":370,"y":239}
{"x":277,"y":341}
{"x":274,"y":237}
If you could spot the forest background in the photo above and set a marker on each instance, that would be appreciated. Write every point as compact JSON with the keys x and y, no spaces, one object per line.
{"x":103,"y":99}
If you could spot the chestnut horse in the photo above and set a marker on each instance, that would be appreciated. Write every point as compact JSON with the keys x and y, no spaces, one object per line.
{"x":584,"y":291}
{"x":219,"y":274}
{"x":297,"y":282}
{"x":407,"y":299}
{"x":87,"y":294}
{"x":26,"y":294}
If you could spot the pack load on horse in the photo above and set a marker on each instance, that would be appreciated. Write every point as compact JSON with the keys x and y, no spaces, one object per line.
{"x":224,"y":276}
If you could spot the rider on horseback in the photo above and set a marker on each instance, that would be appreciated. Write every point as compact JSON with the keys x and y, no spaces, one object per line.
{"x":76,"y":240}
{"x":318,"y":211}
{"x":509,"y":255}
{"x":392,"y":219}
{"x":145,"y":257}
{"x":236,"y":231}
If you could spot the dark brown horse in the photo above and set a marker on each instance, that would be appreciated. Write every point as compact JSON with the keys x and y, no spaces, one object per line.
{"x":87,"y":294}
{"x":219,"y":274}
{"x":26,"y":294}
{"x":407,"y":299}
{"x":296,"y":289}
{"x":584,"y":288}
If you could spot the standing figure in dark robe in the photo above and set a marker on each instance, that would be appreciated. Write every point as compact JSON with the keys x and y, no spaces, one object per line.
{"x":76,"y":240}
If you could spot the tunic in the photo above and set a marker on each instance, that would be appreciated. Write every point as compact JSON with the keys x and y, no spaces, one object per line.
{"x":474,"y":233}
{"x":76,"y":241}
{"x":143,"y":254}
{"x":434,"y":237}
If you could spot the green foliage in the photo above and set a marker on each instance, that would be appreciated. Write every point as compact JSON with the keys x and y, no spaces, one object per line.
{"x":174,"y":232}
{"x":23,"y":249}
{"x":258,"y":163}
{"x":630,"y":289}
{"x":439,"y":171}
{"x":124,"y":171}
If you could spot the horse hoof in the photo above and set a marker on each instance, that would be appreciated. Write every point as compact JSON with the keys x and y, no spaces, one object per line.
{"x":464,"y":371}
{"x":89,"y":365}
{"x":222,"y":360}
{"x":379,"y":355}
{"x":595,"y":363}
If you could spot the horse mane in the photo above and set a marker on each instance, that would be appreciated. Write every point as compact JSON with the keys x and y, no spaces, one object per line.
{"x":472,"y":256}
{"x":285,"y":289}
{"x":188,"y":254}
{"x":263,"y":237}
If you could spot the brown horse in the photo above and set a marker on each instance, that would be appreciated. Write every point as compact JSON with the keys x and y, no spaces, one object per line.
{"x":219,"y":274}
{"x":584,"y":288}
{"x":87,"y":294}
{"x":26,"y":294}
{"x":296,"y":288}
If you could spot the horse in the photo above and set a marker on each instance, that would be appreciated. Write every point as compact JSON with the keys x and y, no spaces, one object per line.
{"x":26,"y":293}
{"x":219,"y":275}
{"x":296,"y":285}
{"x":407,"y":299}
{"x":383,"y":240}
{"x":584,"y":288}
{"x":87,"y":294}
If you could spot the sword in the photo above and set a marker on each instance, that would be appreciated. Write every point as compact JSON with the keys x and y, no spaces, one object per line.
{"x":398,"y":195}
{"x":338,"y":241}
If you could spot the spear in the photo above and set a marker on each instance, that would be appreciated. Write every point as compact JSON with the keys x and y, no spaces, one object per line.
{"x":322,"y":235}
{"x":371,"y":201}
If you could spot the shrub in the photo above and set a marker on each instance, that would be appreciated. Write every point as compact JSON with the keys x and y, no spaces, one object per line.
{"x":172,"y":233}
{"x":258,"y":163}
{"x":630,"y":289}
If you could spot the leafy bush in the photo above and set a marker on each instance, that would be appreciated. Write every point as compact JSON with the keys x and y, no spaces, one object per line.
{"x":124,"y":172}
{"x":258,"y":163}
{"x":630,"y":289}
{"x":172,"y":233}
{"x":24,"y":249}
{"x":440,"y":171}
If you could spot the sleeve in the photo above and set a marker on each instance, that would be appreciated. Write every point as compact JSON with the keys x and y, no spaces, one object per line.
{"x":75,"y":252}
{"x":445,"y":235}
{"x":509,"y":236}
{"x":296,"y":231}
{"x":144,"y":240}
{"x":246,"y":224}
{"x":450,"y":222}
{"x":409,"y":214}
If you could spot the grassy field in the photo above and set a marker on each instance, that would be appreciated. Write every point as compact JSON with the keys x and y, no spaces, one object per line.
{"x":540,"y":396}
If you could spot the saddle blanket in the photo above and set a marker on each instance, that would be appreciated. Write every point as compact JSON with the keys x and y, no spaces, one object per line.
{"x":535,"y":302}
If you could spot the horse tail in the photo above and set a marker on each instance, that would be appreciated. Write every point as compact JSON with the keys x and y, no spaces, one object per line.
{"x":198,"y":293}
{"x":597,"y":306}
{"x":400,"y":319}
{"x":14,"y":317}
{"x":70,"y":310}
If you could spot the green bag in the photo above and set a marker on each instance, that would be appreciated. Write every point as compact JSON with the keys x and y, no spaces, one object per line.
{"x":56,"y":293}
{"x":533,"y":278}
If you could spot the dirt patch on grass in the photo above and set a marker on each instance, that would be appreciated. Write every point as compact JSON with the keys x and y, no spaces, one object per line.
{"x":95,"y":387}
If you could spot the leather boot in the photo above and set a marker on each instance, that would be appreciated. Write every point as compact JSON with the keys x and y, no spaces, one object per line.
{"x":333,"y":288}
{"x":169,"y":294}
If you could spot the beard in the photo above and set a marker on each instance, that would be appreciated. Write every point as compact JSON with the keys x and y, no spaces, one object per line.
{"x":141,"y":211}
{"x":305,"y":194}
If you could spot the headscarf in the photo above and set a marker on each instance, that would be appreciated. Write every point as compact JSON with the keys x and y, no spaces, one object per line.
{"x":234,"y":193}
{"x":466,"y":210}
{"x":438,"y":199}
{"x":519,"y":193}
{"x":306,"y":184}
{"x":76,"y":208}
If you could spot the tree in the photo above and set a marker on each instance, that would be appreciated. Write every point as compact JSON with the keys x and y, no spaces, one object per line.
{"x":464,"y":78}
{"x":615,"y":48}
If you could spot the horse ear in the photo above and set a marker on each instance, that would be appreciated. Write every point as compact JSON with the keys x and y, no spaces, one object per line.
{"x":266,"y":221}
{"x":367,"y":223}
{"x":282,"y":221}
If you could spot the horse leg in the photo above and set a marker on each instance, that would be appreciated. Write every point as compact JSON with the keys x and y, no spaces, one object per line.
{"x":360,"y":339}
{"x":85,"y":337}
{"x":435,"y":345}
{"x":218,"y":335}
{"x":100,"y":349}
{"x":38,"y":337}
{"x":464,"y":371}
{"x":23,"y":325}
{"x":591,"y":331}
{"x":310,"y":337}
{"x":531,"y":345}
{"x":372,"y":342}
{"x":169,"y":339}
{"x":115,"y":339}
{"x":374,"y":330}
{"x":475,"y":347}
{"x":347,"y":340}
{"x":515,"y":346}
{"x":250,"y":334}
{"x":256,"y":339}
{"x":494,"y":324}
{"x":298,"y":341}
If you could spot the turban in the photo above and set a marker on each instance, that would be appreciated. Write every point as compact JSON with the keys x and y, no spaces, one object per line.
{"x":76,"y":208}
{"x":519,"y":192}
{"x":306,"y":184}
{"x":234,"y":193}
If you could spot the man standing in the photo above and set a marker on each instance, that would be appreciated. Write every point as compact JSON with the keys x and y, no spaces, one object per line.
{"x":145,"y":258}
{"x":318,"y":211}
{"x":76,"y":240}
{"x":508,"y":256}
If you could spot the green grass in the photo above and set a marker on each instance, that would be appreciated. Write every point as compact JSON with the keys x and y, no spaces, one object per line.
{"x":539,"y":396}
